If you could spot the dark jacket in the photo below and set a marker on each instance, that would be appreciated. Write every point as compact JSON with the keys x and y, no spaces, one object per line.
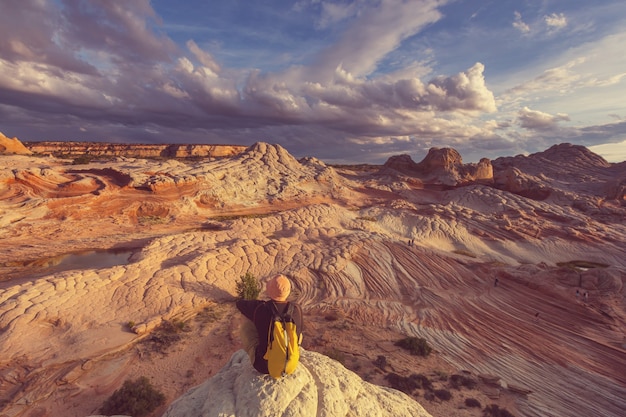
{"x":261,"y":316}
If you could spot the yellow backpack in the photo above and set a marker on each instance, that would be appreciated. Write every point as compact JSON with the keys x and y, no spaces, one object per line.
{"x":283,"y":344}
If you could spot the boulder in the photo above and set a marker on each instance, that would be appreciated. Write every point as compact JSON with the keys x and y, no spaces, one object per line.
{"x":319,"y":387}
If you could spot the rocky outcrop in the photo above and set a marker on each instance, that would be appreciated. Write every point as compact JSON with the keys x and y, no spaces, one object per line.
{"x":12,"y":146}
{"x":319,"y":387}
{"x":135,"y":150}
{"x":442,"y":166}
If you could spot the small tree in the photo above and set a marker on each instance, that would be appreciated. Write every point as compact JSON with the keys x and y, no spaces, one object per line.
{"x":416,"y":346}
{"x":136,"y":398}
{"x":248,"y":287}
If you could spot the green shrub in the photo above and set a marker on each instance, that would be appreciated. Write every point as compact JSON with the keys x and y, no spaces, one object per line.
{"x":402,"y":383}
{"x":408,"y":384}
{"x":136,"y":398}
{"x":416,"y":346}
{"x":442,"y":394}
{"x":472,"y":402}
{"x":457,"y":381}
{"x":494,"y":411}
{"x":381,"y":361}
{"x":248,"y":287}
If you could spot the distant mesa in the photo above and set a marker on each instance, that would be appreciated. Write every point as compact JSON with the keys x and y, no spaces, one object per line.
{"x":58,"y":148}
{"x":12,"y":146}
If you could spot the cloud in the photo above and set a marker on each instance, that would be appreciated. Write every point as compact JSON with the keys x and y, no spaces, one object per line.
{"x":377,"y":29}
{"x":555,"y":21}
{"x":519,"y":24}
{"x":537,"y":120}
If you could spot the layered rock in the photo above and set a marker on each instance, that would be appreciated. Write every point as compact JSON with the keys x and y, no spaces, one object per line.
{"x":442,"y":166}
{"x":319,"y":387}
{"x":12,"y":146}
{"x":135,"y":150}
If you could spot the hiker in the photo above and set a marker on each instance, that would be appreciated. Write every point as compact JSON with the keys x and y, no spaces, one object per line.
{"x":255,"y":331}
{"x":495,"y":283}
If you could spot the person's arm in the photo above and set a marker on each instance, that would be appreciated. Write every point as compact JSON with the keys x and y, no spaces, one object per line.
{"x":247,"y":307}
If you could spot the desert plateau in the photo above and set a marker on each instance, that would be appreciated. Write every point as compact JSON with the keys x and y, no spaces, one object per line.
{"x":513,"y":270}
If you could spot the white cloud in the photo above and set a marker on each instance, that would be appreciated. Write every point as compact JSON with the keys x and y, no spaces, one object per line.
{"x":519,"y":24}
{"x":537,"y":120}
{"x":555,"y":21}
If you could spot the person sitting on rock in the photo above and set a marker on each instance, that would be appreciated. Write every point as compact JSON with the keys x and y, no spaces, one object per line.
{"x":254,"y":331}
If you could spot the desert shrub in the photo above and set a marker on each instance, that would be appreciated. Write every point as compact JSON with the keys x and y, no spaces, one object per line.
{"x":82,"y":159}
{"x":428,"y":395}
{"x":248,"y":287}
{"x":137,"y":398}
{"x":402,"y":383}
{"x":442,"y":394}
{"x":494,"y":411}
{"x":457,"y":381}
{"x":424,"y":381}
{"x":408,"y":384}
{"x":381,"y":362}
{"x":472,"y":402}
{"x":415,"y":345}
{"x":166,"y":335}
{"x":443,"y":376}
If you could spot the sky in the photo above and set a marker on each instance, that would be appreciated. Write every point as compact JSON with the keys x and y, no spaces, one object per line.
{"x":343,"y":81}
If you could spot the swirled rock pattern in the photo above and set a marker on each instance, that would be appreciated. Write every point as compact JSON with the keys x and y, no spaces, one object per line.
{"x":390,"y":249}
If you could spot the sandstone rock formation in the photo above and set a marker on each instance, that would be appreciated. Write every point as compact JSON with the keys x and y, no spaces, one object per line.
{"x":442,"y":166}
{"x":12,"y":146}
{"x":385,"y":250}
{"x":134,"y":150}
{"x":319,"y":387}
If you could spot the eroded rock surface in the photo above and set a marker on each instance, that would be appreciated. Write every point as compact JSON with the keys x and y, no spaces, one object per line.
{"x":319,"y":387}
{"x":382,"y":248}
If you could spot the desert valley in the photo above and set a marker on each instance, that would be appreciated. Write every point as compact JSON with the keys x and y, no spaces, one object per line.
{"x":512,"y":269}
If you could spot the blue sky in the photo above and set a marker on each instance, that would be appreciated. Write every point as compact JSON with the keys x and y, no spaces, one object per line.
{"x":344,"y":81}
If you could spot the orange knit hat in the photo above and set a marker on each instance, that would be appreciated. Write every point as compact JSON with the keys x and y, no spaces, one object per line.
{"x":278,"y":288}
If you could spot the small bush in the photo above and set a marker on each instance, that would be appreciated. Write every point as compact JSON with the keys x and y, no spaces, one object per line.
{"x":381,"y":362}
{"x":416,"y":346}
{"x":248,"y":287}
{"x":494,"y":411}
{"x":457,"y":381}
{"x":137,"y":398}
{"x":472,"y":402}
{"x":402,"y":383}
{"x":408,"y":384}
{"x":442,"y":394}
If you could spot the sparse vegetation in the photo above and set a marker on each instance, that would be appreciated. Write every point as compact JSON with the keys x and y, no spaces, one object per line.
{"x":464,"y":253}
{"x":408,"y":384}
{"x":443,"y":394}
{"x":137,"y":398}
{"x":457,"y":381}
{"x":494,"y":410}
{"x":130,"y":325}
{"x":166,"y":335}
{"x":208,"y":315}
{"x":248,"y":287}
{"x":472,"y":402}
{"x":148,"y":220}
{"x":367,"y":218}
{"x":381,"y":362}
{"x":582,"y":264}
{"x":415,"y":345}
